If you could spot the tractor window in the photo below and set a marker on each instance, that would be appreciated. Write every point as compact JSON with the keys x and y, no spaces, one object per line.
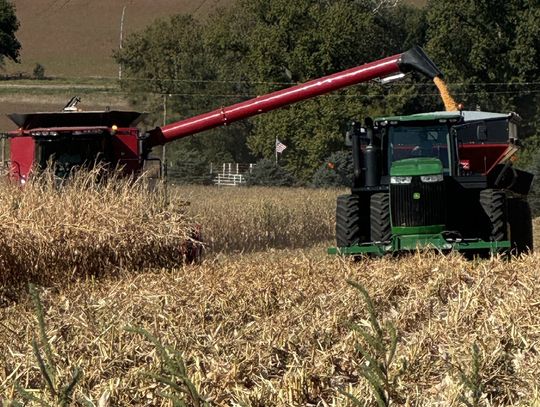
{"x":497,"y":131}
{"x":419,"y":141}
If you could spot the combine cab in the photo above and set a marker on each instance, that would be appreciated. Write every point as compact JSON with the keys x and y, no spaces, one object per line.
{"x":74,"y":139}
{"x":440,"y":180}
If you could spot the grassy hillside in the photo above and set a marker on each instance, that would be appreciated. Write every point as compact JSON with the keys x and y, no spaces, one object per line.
{"x":76,"y":37}
{"x":23,"y":96}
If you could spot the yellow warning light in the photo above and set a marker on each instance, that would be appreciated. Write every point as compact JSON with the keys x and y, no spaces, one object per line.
{"x":114,"y":128}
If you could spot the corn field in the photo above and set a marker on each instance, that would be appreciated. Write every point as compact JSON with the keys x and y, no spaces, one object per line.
{"x":52,"y":233}
{"x":266,"y":319}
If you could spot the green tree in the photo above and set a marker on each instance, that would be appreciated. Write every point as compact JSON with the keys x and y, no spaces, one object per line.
{"x":189,"y":168}
{"x":489,"y":50}
{"x":270,"y":174}
{"x":337,"y":171}
{"x":165,"y":65}
{"x":39,"y":71}
{"x":287,"y":42}
{"x":9,"y":45}
{"x":167,"y":69}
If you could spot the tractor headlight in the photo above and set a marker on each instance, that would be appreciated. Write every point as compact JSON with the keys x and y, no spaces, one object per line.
{"x":400,"y":180}
{"x":432,"y":178}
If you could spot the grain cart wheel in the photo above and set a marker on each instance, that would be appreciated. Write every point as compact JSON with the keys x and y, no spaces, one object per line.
{"x":493,"y":202}
{"x":380,"y":217}
{"x":350,"y":221}
{"x":520,"y":223}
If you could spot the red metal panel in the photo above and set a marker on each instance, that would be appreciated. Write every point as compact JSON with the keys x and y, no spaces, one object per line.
{"x":378,"y":69}
{"x":125,"y":149}
{"x":22,"y":157}
{"x":481,"y":158}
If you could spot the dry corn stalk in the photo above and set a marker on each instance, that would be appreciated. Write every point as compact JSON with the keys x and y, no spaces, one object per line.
{"x":50,"y":233}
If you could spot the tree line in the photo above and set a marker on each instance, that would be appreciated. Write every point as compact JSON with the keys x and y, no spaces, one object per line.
{"x":488,"y":50}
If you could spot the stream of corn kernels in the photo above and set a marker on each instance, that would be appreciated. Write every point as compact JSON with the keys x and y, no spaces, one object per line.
{"x":449,"y":102}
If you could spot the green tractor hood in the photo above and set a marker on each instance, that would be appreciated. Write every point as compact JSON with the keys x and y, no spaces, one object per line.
{"x":416,"y":166}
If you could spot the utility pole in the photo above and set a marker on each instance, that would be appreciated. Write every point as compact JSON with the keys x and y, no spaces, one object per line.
{"x":3,"y":150}
{"x":164,"y":109}
{"x":164,"y":148}
{"x":121,"y":40}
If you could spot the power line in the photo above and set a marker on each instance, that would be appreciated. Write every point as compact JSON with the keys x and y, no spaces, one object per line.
{"x":241,"y":96}
{"x":393,"y":84}
{"x":523,"y":92}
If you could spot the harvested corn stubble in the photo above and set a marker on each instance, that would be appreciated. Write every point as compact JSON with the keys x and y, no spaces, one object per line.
{"x":274,"y":329}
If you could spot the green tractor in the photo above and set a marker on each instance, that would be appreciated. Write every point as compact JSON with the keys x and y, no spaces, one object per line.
{"x":441,"y":180}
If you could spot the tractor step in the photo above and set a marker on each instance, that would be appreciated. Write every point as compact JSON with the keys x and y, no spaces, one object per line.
{"x":408,"y":243}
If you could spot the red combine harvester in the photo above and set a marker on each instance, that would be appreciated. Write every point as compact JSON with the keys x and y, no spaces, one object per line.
{"x":73,"y":139}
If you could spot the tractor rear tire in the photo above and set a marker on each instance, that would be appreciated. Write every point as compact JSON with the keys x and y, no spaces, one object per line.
{"x":380,"y":217}
{"x":493,"y":202}
{"x":520,"y":223}
{"x":349,"y":221}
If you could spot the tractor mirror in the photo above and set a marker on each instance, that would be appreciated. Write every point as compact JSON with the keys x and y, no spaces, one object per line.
{"x":354,"y":127}
{"x":349,"y":136}
{"x":481,"y":132}
{"x":348,"y":139}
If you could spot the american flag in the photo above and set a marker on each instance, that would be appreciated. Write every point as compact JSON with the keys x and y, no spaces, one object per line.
{"x":280,"y":146}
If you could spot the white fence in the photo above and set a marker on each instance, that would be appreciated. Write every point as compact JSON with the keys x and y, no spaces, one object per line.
{"x":232,"y":174}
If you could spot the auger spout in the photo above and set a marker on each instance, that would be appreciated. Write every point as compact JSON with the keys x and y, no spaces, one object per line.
{"x":412,"y":60}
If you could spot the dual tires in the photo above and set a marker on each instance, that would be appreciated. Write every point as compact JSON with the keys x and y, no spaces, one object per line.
{"x":507,"y":218}
{"x":379,"y":217}
{"x":520,"y":225}
{"x":493,"y":203}
{"x":349,"y":221}
{"x":357,"y":223}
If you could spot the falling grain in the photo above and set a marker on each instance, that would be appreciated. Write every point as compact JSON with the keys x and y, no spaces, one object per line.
{"x":449,"y":103}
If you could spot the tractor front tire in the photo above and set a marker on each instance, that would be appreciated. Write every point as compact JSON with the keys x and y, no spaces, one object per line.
{"x":380,"y":217}
{"x":493,"y":202}
{"x":520,"y":223}
{"x":349,"y":221}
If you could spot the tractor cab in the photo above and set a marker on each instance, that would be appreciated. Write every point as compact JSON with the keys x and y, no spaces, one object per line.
{"x":418,"y":140}
{"x":466,"y":143}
